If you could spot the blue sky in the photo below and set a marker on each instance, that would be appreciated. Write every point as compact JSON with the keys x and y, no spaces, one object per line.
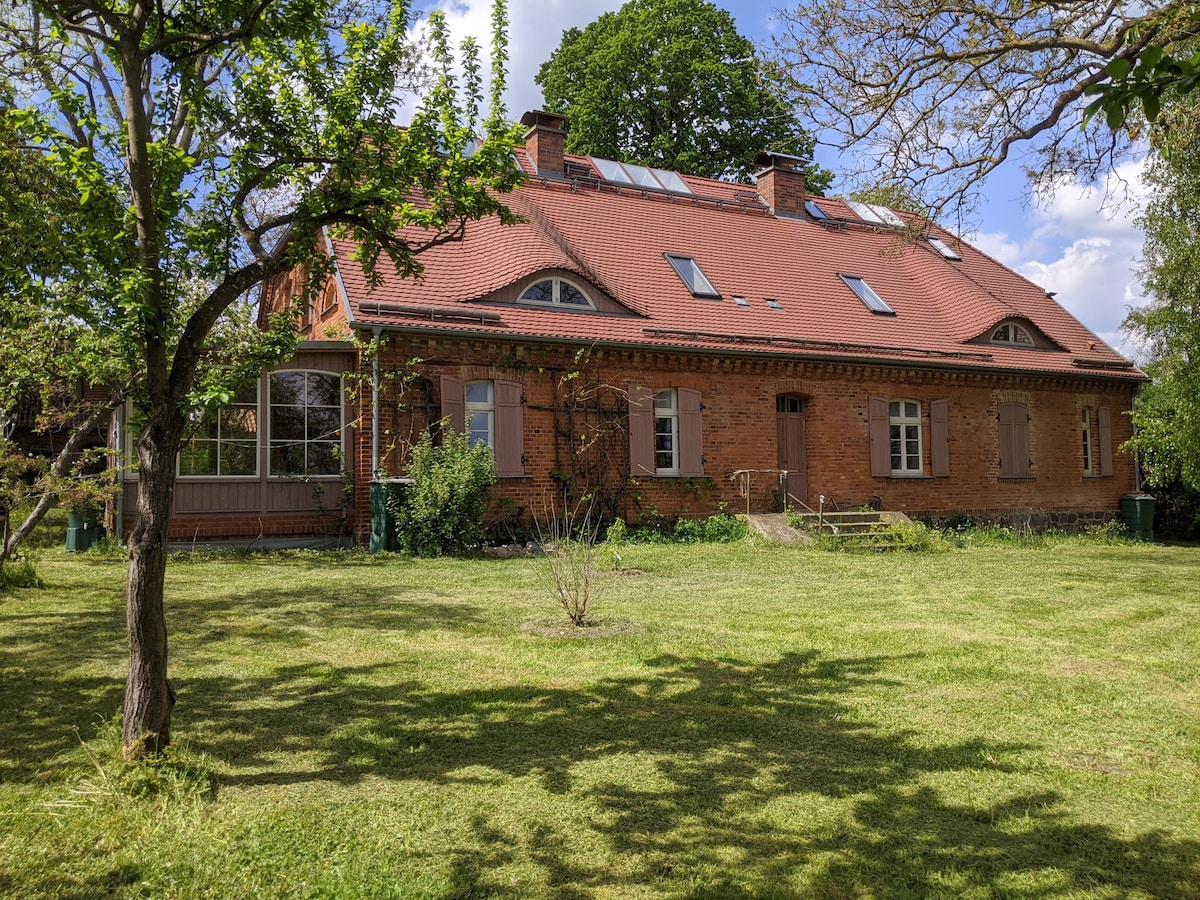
{"x":1075,"y":244}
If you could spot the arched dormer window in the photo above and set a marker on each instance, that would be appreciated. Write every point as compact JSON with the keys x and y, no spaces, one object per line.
{"x":556,"y":292}
{"x":1012,"y":334}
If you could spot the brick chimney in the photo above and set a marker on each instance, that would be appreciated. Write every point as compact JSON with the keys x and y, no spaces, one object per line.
{"x":781,"y":183}
{"x":544,"y":142}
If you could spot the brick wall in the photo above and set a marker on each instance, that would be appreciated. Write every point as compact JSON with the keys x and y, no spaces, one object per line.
{"x":571,"y":404}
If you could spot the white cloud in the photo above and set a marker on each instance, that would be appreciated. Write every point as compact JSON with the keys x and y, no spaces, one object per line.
{"x":1082,"y":244}
{"x":535,"y":30}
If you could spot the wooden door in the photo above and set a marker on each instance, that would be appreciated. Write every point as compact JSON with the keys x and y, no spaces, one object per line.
{"x":789,"y":428}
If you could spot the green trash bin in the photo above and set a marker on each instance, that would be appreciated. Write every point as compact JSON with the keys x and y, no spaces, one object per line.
{"x":383,"y":522}
{"x":1137,"y":512}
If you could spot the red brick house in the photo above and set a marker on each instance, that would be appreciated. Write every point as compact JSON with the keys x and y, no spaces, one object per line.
{"x":646,"y":335}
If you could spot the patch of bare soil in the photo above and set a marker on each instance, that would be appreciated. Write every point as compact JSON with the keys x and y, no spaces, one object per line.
{"x":598,"y":628}
{"x":629,"y":572}
{"x":1093,"y":762}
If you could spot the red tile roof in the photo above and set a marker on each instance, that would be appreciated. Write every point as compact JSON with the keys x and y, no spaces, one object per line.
{"x":614,"y":238}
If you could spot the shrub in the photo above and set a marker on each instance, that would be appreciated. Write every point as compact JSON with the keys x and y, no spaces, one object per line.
{"x":441,"y":512}
{"x":570,"y":563}
{"x":721,"y":528}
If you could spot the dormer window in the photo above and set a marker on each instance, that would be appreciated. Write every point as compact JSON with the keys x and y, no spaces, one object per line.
{"x":693,"y":276}
{"x":1012,"y":334}
{"x":556,"y":292}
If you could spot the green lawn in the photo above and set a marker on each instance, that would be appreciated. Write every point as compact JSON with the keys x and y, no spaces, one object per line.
{"x":778,"y":722}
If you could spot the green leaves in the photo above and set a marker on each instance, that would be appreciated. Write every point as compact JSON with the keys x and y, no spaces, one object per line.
{"x":671,"y":83}
{"x":1142,"y":79}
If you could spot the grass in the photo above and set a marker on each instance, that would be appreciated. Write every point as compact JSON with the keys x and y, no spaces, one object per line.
{"x":994,"y":721}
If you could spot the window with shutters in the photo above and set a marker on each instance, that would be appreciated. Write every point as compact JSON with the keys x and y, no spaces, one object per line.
{"x":479,"y":409}
{"x":1086,"y":436}
{"x":665,"y":432}
{"x":898,"y":438}
{"x":904,"y":422}
{"x":491,"y":413}
{"x":1014,"y":441}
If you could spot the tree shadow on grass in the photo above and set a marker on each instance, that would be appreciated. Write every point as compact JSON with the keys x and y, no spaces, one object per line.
{"x":717,"y":741}
{"x":47,"y":693}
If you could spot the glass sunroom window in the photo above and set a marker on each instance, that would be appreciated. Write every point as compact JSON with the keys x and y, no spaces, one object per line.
{"x":224,"y":442}
{"x":306,"y":423}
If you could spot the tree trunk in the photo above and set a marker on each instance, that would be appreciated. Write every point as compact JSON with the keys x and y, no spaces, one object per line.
{"x":80,"y":432}
{"x":149,"y":697}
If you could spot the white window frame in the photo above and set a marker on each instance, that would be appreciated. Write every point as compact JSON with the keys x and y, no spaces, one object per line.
{"x":272,"y":442}
{"x":198,"y":417}
{"x":900,"y":420}
{"x":477,"y":407}
{"x":1014,"y":330}
{"x":1086,"y":436}
{"x":556,"y":295}
{"x":668,"y":415}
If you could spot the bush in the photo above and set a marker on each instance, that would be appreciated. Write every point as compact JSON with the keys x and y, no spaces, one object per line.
{"x":441,"y":512}
{"x":720,"y":528}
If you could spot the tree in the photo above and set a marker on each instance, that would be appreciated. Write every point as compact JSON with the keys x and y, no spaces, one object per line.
{"x":209,"y":143}
{"x":671,"y":83}
{"x":1167,"y":412}
{"x":939,"y":93}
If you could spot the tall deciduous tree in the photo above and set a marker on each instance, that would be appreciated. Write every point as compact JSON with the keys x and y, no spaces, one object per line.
{"x":1167,"y":412}
{"x":671,"y":83}
{"x":939,"y":93}
{"x":197,"y":134}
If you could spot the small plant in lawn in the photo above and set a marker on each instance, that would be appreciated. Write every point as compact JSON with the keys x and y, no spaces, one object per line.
{"x":176,"y":775}
{"x":441,"y":512}
{"x":571,"y":560}
{"x":20,"y":573}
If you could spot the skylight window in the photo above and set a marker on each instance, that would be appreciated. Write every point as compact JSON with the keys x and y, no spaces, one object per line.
{"x":945,"y":249}
{"x":556,"y":292}
{"x":639,"y":176}
{"x":773,"y":303}
{"x":642,"y":176}
{"x":610,"y":170}
{"x":815,"y":211}
{"x":866,"y":294}
{"x":741,"y":301}
{"x":873,"y":212}
{"x":693,"y":276}
{"x":671,"y":181}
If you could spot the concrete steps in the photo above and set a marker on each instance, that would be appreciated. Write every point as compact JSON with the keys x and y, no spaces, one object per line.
{"x":849,"y":527}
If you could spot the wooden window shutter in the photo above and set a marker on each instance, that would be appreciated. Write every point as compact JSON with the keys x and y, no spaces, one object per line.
{"x":939,"y":438}
{"x":691,"y":458}
{"x":454,"y":412}
{"x":1106,"y":449}
{"x":641,"y":431}
{"x":881,"y":443}
{"x":1014,"y":440}
{"x":510,"y":429}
